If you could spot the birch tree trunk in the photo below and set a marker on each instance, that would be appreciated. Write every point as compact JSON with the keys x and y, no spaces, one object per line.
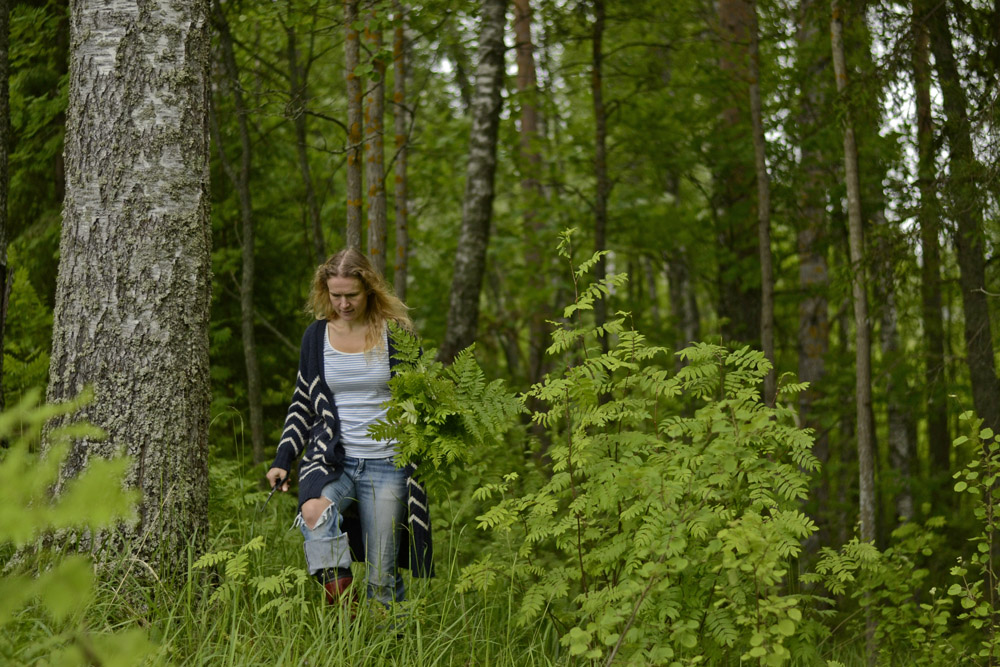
{"x":134,"y":283}
{"x":477,"y":204}
{"x":763,"y":207}
{"x":859,"y":282}
{"x":401,"y":120}
{"x":863,"y":383}
{"x":939,"y":442}
{"x":241,"y":182}
{"x":965,"y":204}
{"x":352,"y":49}
{"x":375,"y":144}
{"x":298,"y":76}
{"x":603,"y":185}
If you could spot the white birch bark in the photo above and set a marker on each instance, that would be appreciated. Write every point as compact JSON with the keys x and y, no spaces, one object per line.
{"x":477,"y":205}
{"x":133,"y":288}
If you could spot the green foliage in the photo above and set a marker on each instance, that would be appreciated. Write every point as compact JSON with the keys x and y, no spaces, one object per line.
{"x":664,"y":525}
{"x":439,"y":415}
{"x":284,"y":592}
{"x":62,"y":589}
{"x":889,"y":587}
{"x":26,"y":337}
{"x":977,"y":589}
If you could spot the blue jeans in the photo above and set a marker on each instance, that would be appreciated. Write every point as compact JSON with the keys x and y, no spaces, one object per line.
{"x":379,"y":489}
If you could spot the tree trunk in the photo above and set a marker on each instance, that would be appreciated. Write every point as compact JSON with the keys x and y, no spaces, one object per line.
{"x":352,"y":49}
{"x":900,"y":426}
{"x":401,"y":120}
{"x":863,"y":384}
{"x":966,"y":207}
{"x":477,"y":204}
{"x":134,"y":279}
{"x":763,"y":208}
{"x":683,"y":304}
{"x":298,"y":76}
{"x":242,"y":184}
{"x":935,"y":380}
{"x":5,"y":272}
{"x":814,"y":274}
{"x":374,"y":144}
{"x":530,"y":165}
{"x":738,"y":245}
{"x":603,"y":187}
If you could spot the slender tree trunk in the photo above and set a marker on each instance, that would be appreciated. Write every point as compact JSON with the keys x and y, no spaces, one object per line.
{"x":298,"y":76}
{"x":375,"y":144}
{"x":652,"y":268}
{"x":600,"y":160}
{"x":242,"y":185}
{"x":965,"y":204}
{"x":401,"y":120}
{"x":814,"y":273}
{"x":352,"y":49}
{"x":863,"y":383}
{"x":683,"y":304}
{"x":5,"y":272}
{"x":939,"y":442}
{"x":477,"y":204}
{"x":134,"y":281}
{"x":763,"y":208}
{"x":460,"y":59}
{"x":738,"y":248}
{"x":900,"y":426}
{"x":531,"y":187}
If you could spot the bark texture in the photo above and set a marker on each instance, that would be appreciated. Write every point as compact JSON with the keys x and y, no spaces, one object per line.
{"x":401,"y":121}
{"x":375,"y":144}
{"x":5,"y":272}
{"x":939,"y":442}
{"x":738,"y":251}
{"x":241,"y":182}
{"x":477,"y":204}
{"x":965,"y":204}
{"x":863,"y":384}
{"x":352,"y":49}
{"x":133,"y":287}
{"x":763,"y":207}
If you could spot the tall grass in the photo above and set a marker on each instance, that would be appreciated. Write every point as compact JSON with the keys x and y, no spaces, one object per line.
{"x":257,"y":626}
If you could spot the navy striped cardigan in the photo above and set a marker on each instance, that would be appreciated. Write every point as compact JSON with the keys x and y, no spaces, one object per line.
{"x":312,"y":426}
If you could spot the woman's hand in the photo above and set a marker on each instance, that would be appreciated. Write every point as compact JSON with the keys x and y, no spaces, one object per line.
{"x":275,"y":475}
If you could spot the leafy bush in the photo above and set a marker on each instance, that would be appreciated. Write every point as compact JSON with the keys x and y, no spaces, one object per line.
{"x":41,"y":611}
{"x":659,"y":534}
{"x":441,"y":415}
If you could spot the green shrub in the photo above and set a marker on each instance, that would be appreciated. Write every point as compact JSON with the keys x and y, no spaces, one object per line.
{"x":660,"y":533}
{"x":43,"y":595}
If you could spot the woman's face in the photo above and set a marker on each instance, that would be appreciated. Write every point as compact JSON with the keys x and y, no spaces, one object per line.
{"x":348,"y":298}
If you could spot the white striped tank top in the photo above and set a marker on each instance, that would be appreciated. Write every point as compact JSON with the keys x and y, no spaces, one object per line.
{"x":359,"y":386}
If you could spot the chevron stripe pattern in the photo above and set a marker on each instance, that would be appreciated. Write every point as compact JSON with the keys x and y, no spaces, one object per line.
{"x":312,"y":436}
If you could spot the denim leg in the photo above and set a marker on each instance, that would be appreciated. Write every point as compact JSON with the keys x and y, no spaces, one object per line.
{"x":326,"y":544}
{"x":381,"y":491}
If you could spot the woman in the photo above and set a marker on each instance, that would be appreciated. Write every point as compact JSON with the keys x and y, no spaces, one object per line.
{"x":345,"y":362}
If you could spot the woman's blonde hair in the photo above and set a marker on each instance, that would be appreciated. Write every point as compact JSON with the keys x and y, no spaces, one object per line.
{"x":382,"y":305}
